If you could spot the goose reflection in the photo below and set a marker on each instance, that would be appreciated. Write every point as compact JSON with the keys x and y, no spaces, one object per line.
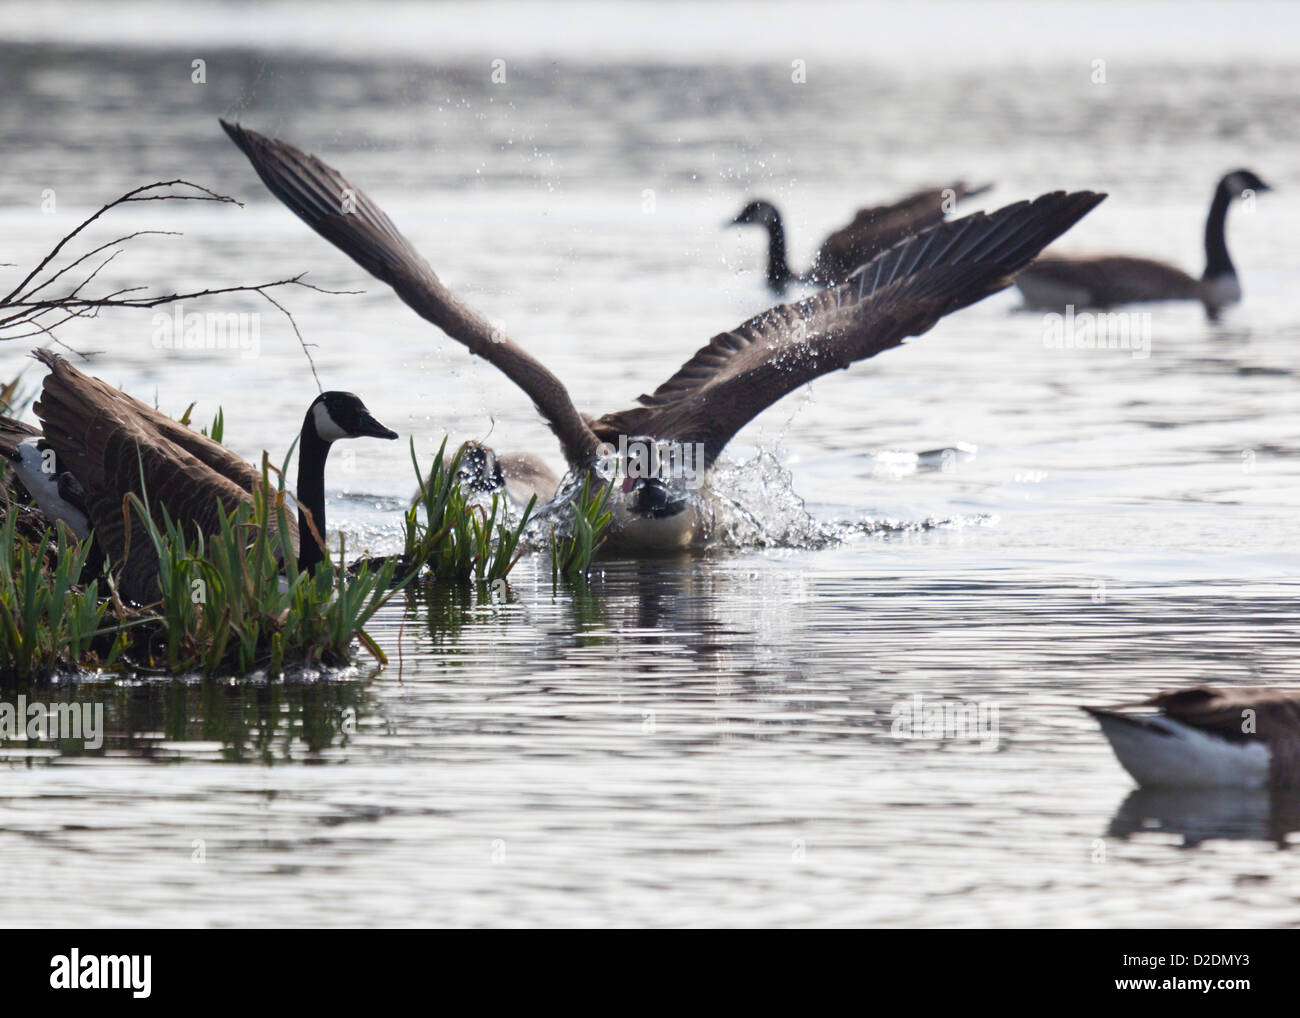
{"x":1207,"y":814}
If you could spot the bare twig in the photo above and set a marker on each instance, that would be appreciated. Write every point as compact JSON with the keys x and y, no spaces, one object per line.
{"x":22,"y":309}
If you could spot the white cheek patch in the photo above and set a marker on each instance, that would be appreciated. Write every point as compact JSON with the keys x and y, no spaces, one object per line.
{"x":325,"y":425}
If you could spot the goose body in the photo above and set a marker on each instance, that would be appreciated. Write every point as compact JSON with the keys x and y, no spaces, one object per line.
{"x":871,"y":231}
{"x":730,"y":380}
{"x":97,"y":445}
{"x":56,"y":494}
{"x":1208,"y":737}
{"x":1104,"y":281}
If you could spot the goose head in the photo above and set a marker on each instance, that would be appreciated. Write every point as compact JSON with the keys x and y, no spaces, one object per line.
{"x":335,"y":415}
{"x":653,"y":475}
{"x":1238,"y":182}
{"x":653,"y":498}
{"x":761,"y":212}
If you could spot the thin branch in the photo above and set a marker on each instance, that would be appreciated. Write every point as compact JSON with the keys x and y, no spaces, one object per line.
{"x":137,"y":195}
{"x":302,"y":342}
{"x":30,"y":301}
{"x":91,"y":254}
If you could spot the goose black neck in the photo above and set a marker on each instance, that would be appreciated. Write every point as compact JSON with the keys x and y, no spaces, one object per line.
{"x":312,"y":451}
{"x":1217,"y":262}
{"x":778,"y":270}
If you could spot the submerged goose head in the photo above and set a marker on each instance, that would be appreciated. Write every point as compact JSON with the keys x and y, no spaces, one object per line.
{"x":1208,"y":737}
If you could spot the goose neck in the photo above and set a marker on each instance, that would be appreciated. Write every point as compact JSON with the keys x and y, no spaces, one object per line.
{"x":312,"y":452}
{"x":778,"y":269}
{"x":1217,"y":262}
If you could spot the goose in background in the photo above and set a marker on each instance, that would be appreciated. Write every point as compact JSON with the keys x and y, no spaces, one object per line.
{"x":96,"y":444}
{"x":1103,"y":281}
{"x":1208,"y":737}
{"x":731,"y":379}
{"x":872,"y":231}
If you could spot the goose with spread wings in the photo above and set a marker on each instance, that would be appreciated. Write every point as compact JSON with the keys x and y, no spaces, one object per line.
{"x":728,"y":382}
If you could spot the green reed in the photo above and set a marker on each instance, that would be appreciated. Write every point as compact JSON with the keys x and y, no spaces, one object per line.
{"x":571,"y":553}
{"x":454,"y":538}
{"x":48,"y":621}
{"x":235,"y":600}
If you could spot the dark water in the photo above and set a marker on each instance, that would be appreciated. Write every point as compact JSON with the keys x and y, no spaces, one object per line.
{"x":711,"y":739}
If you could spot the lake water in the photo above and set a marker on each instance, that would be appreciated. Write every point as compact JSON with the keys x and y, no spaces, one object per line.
{"x":705,"y":740}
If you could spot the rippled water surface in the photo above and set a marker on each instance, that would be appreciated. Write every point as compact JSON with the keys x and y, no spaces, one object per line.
{"x":705,"y":740}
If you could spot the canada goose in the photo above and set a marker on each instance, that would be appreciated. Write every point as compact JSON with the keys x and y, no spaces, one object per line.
{"x":96,"y":444}
{"x":729,"y":381}
{"x":1208,"y":737}
{"x":872,"y":231}
{"x":1103,"y":281}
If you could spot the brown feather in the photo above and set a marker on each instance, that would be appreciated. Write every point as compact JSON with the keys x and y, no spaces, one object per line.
{"x":115,"y":446}
{"x":738,"y":374}
{"x":880,"y":227}
{"x":901,"y":293}
{"x":318,"y":194}
{"x":1104,"y":281}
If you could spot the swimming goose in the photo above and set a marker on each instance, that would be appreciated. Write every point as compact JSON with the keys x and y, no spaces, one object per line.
{"x":872,"y":231}
{"x":1104,"y":281}
{"x":1208,"y":737}
{"x":730,"y":380}
{"x":96,"y":443}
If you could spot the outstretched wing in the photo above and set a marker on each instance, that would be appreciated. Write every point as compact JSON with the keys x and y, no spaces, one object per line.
{"x":901,"y":293}
{"x":322,"y":198}
{"x":876,"y":229}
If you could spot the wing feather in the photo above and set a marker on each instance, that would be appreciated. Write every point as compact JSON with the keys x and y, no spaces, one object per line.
{"x":114,"y":445}
{"x":345,"y":216}
{"x":902,"y":292}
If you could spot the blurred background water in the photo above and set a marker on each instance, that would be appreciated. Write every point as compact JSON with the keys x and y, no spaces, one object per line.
{"x":705,"y":740}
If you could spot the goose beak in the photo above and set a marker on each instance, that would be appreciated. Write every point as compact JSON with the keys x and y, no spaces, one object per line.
{"x":371,"y":428}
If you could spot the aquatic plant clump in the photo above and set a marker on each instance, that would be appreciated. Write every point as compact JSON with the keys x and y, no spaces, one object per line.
{"x":48,"y":620}
{"x":228,"y":603}
{"x":573,"y":551}
{"x":454,"y":537}
{"x":237,"y":601}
